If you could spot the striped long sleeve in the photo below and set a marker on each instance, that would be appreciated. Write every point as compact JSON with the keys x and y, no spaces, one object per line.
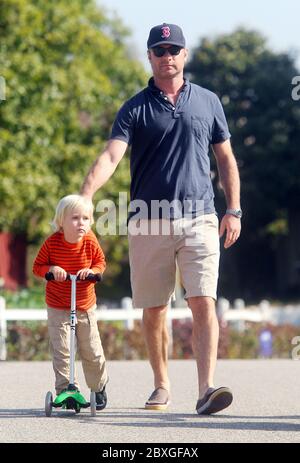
{"x":71,"y":257}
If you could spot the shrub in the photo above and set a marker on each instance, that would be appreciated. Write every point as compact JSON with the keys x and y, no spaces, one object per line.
{"x":29,"y":341}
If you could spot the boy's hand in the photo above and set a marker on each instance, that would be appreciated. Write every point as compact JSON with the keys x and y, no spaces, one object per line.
{"x":84,"y":272}
{"x":59,"y":273}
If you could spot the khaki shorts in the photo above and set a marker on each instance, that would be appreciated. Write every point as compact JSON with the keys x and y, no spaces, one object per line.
{"x":153,"y":253}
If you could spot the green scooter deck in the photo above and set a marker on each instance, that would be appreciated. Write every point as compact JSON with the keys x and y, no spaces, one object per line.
{"x":62,"y":398}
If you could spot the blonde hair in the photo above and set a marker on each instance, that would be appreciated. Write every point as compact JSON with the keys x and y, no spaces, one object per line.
{"x":68,"y":203}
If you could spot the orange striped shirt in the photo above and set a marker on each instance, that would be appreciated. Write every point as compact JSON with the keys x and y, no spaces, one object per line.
{"x":72,"y":257}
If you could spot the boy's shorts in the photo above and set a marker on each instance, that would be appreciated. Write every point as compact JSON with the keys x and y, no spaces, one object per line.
{"x":191,"y":242}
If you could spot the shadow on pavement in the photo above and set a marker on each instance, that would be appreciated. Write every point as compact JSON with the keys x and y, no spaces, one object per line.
{"x":183,"y":420}
{"x":153,"y":419}
{"x":31,"y":413}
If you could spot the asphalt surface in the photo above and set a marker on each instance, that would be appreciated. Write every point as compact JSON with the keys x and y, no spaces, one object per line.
{"x":266,"y":406}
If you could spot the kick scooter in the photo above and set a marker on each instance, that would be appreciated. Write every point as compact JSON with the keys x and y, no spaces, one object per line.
{"x":71,"y":398}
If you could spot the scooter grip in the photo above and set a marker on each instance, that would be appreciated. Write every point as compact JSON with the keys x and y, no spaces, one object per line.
{"x":97,"y":277}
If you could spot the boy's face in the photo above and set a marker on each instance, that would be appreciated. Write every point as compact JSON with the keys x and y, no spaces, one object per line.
{"x":76,"y":224}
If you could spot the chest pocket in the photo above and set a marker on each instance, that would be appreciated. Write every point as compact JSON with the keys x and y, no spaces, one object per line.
{"x":201,"y":129}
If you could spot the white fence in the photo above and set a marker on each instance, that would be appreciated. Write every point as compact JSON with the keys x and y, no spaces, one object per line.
{"x":237,"y":315}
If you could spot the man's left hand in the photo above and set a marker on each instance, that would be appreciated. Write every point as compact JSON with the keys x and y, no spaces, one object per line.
{"x":232,"y":226}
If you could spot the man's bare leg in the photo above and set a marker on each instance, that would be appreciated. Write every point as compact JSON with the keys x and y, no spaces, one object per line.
{"x":205,"y":346}
{"x":205,"y":340}
{"x":157,"y":338}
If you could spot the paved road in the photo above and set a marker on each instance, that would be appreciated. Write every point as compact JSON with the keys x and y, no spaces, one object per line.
{"x":266,"y":405}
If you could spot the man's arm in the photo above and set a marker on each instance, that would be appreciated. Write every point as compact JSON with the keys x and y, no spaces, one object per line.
{"x":230,"y":181}
{"x":103,"y":168}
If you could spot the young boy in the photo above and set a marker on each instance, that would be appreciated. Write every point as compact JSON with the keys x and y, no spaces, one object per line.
{"x":73,"y":248}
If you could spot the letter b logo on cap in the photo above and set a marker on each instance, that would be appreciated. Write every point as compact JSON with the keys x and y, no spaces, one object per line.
{"x":165,"y":32}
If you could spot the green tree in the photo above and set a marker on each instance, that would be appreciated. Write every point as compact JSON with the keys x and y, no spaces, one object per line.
{"x":67,"y":72}
{"x":254,"y":85}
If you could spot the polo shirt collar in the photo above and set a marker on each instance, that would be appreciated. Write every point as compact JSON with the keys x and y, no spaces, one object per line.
{"x":152,"y":87}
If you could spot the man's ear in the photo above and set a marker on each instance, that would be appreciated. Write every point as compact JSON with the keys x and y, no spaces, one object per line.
{"x":186,"y":52}
{"x":149,"y":55}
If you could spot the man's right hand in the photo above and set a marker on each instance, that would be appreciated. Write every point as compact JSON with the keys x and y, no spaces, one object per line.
{"x":59,"y":273}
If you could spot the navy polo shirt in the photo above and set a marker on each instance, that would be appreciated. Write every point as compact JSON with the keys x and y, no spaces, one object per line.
{"x":170,"y":147}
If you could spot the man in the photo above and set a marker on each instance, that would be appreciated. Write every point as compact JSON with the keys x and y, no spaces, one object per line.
{"x":170,"y":126}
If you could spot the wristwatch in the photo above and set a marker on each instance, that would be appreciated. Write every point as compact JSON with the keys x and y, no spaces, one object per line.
{"x":236,"y":212}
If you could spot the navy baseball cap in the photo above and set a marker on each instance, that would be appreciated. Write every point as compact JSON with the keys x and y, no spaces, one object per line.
{"x":165,"y":33}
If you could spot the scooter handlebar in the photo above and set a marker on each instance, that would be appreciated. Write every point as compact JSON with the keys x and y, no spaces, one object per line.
{"x":97,"y":277}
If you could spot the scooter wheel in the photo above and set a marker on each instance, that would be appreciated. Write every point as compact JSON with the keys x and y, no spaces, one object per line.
{"x":93,"y":403}
{"x":48,"y":403}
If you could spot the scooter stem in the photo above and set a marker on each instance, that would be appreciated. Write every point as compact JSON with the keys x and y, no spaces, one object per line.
{"x":73,"y":322}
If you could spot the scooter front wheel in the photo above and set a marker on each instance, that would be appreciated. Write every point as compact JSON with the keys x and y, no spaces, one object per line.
{"x":48,"y":403}
{"x":93,"y":403}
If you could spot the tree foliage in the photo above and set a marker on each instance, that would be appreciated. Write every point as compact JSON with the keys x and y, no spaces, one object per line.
{"x":67,"y":72}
